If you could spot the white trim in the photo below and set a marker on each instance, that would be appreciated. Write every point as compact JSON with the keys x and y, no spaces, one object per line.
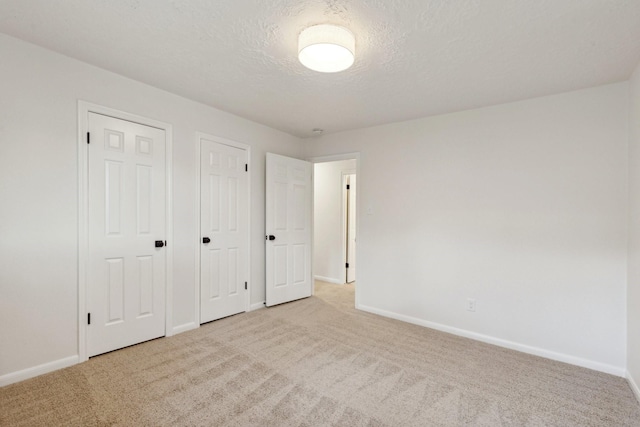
{"x":329,"y":280}
{"x":34,"y":371}
{"x":634,"y":386}
{"x":184,"y":328}
{"x":83,"y":232}
{"x":536,"y":351}
{"x":335,"y":158}
{"x":84,"y":108}
{"x":332,"y":158}
{"x":241,"y":146}
{"x":197,"y":237}
{"x":257,"y":306}
{"x":313,"y":229}
{"x":168,"y":133}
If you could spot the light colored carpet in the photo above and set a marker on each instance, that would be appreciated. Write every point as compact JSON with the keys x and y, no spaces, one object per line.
{"x":319,"y":362}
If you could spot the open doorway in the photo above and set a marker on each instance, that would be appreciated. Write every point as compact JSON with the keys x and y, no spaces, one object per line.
{"x":335,"y":240}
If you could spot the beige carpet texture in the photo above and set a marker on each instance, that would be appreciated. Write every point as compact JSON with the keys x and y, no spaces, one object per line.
{"x":318,"y":362}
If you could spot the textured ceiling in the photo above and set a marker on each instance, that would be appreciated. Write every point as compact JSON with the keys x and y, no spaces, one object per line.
{"x":414,"y":58}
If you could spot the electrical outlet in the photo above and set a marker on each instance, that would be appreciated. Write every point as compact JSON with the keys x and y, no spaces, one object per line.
{"x":471,"y":304}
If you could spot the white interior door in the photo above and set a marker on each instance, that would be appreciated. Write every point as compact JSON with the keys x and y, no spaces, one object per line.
{"x":126,"y":228}
{"x":351,"y":228}
{"x":224,"y":225}
{"x":288,"y":229}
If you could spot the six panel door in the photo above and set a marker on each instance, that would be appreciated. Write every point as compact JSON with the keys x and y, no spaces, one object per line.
{"x":288,"y":229}
{"x":126,"y":206}
{"x":224,"y":216}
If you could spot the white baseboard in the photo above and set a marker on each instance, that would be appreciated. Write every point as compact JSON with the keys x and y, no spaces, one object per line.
{"x":257,"y":306}
{"x":536,"y":351}
{"x":633,"y":386}
{"x":329,"y":280}
{"x":184,"y":328}
{"x":45,"y":368}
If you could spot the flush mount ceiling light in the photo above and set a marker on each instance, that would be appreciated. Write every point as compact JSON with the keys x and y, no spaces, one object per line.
{"x":326,"y":48}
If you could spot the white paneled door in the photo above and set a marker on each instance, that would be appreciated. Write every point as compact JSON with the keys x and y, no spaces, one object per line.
{"x":351,"y":228}
{"x":288,"y":229}
{"x":126,"y":230}
{"x":224,"y":225}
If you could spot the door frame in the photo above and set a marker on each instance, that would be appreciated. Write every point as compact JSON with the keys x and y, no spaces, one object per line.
{"x":332,"y":158}
{"x":247,"y":148}
{"x":84,"y":108}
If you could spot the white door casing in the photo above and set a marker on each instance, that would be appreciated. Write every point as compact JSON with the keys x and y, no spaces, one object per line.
{"x":288,"y":229}
{"x":224,"y":230}
{"x":351,"y":228}
{"x":126,"y":210}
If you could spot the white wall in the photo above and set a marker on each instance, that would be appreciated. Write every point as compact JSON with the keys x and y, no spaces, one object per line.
{"x":328,"y":233}
{"x":521,"y":206}
{"x":633,"y":292}
{"x":39,"y":190}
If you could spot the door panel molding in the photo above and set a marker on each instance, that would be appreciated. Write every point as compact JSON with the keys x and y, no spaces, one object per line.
{"x":197,"y":210}
{"x":84,"y":108}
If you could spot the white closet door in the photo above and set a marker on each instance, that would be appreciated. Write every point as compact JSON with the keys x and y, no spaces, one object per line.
{"x":351,"y":229}
{"x":288,"y":229}
{"x":126,"y":269}
{"x":224,"y":216}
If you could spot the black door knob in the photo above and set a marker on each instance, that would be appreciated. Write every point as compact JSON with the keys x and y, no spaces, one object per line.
{"x":206,"y":240}
{"x":271,"y":237}
{"x":159,"y":244}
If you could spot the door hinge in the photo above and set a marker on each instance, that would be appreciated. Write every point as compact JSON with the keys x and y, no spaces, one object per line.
{"x":347,"y":265}
{"x":245,"y":286}
{"x":88,"y":318}
{"x":348,"y":186}
{"x":246,"y":167}
{"x":88,"y":138}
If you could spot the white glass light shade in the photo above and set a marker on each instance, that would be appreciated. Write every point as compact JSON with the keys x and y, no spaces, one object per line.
{"x":326,"y":48}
